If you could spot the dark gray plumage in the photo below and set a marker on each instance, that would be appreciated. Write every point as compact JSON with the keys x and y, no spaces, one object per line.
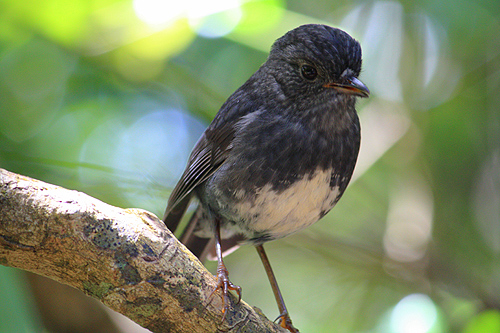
{"x":281,"y":151}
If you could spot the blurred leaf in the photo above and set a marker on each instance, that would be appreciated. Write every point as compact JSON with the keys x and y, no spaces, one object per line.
{"x":485,"y":322}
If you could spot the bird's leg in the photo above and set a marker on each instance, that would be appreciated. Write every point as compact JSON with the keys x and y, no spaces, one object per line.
{"x":284,"y":317}
{"x":222,"y":275}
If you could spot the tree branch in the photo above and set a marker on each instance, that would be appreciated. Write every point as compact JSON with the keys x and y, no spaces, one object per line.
{"x":126,"y":258}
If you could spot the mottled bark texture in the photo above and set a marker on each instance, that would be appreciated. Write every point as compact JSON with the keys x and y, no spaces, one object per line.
{"x":126,"y":258}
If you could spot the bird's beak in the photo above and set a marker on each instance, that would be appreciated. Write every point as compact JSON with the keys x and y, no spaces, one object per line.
{"x":352,"y":87}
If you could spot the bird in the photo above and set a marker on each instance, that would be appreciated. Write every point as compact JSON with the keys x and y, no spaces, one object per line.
{"x":278,"y":155}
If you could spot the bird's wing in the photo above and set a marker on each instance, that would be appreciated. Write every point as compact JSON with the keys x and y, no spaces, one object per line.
{"x":211,"y":151}
{"x":207,"y":156}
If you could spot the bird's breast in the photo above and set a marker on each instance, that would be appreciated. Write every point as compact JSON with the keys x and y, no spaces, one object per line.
{"x":270,"y":214}
{"x":279,"y":178}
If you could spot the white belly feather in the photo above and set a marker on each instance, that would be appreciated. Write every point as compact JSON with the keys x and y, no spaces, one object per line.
{"x":281,"y":213}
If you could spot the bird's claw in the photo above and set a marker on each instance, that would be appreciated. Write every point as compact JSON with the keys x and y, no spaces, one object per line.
{"x":285,"y":322}
{"x":225,"y":285}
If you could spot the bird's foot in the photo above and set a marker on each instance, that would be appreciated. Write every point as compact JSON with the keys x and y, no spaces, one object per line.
{"x":285,"y":322}
{"x":225,"y":285}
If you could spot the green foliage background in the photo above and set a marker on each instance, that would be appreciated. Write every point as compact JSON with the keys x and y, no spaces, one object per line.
{"x":95,"y":97}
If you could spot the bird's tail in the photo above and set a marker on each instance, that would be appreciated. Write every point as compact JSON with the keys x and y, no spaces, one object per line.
{"x":199,"y":246}
{"x":173,"y":215}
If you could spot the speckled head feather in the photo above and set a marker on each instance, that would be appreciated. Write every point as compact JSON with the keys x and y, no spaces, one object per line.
{"x":333,"y":48}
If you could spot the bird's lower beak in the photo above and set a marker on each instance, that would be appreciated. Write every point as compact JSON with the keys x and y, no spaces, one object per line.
{"x":352,"y":87}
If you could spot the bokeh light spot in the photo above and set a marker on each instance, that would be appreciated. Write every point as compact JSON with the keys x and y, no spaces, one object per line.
{"x":415,"y":313}
{"x":208,"y":18}
{"x":409,"y":220}
{"x":151,"y":148}
{"x":218,"y":24}
{"x":157,"y":12}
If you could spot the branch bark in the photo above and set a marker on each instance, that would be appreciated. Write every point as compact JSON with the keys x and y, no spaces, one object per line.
{"x":125,"y":258}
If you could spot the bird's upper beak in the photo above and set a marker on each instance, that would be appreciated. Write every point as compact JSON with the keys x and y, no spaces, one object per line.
{"x":352,"y":87}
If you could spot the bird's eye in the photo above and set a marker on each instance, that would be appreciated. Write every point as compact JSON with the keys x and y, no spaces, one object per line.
{"x":308,"y":72}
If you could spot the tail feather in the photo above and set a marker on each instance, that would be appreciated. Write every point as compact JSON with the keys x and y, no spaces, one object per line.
{"x":173,"y":215}
{"x":199,"y":246}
